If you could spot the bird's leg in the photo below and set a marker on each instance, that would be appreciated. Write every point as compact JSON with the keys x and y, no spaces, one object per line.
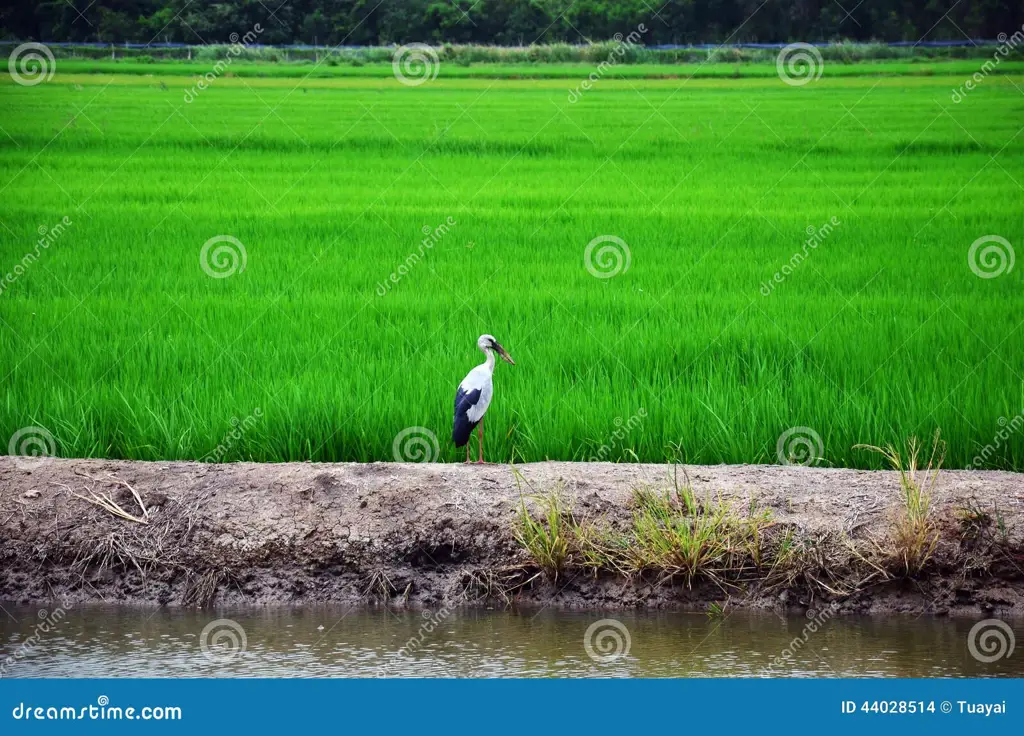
{"x":467,"y":453}
{"x":480,"y":434}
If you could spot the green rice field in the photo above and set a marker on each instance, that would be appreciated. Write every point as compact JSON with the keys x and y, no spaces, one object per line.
{"x":787,"y":261}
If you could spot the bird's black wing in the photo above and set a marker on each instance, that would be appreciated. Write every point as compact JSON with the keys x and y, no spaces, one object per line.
{"x":463,"y":428}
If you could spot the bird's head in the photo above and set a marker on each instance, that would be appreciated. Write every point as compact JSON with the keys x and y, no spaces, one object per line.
{"x":487,"y":342}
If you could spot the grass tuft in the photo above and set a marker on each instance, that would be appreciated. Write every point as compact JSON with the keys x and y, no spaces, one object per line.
{"x":915,"y":532}
{"x":672,"y":533}
{"x":546,"y":539}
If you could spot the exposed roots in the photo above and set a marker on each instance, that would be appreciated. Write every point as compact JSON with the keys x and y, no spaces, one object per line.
{"x":380,"y":588}
{"x":201,"y":589}
{"x":500,"y":584}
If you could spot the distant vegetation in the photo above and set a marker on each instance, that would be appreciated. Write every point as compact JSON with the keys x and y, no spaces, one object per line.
{"x":547,"y":54}
{"x":505,"y":22}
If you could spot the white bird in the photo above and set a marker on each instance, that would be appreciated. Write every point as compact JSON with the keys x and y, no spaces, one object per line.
{"x":474,"y":396}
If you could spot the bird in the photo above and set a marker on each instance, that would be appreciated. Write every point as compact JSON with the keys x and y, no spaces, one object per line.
{"x":474,"y":396}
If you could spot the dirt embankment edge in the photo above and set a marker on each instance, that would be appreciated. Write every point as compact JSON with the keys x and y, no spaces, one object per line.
{"x":410,"y":534}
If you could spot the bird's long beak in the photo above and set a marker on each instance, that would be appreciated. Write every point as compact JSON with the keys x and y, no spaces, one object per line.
{"x":504,"y":354}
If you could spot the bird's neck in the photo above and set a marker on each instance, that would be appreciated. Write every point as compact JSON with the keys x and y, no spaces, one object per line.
{"x":490,"y":360}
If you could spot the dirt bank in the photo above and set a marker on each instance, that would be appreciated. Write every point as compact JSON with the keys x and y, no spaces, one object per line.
{"x":419,"y":534}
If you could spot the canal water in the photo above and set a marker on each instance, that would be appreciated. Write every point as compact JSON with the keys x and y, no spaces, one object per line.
{"x":324,"y":641}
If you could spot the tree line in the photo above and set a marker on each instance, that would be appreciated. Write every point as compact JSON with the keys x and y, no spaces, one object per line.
{"x":506,"y":22}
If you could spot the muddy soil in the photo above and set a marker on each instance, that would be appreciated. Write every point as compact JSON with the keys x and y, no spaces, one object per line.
{"x":420,"y":534}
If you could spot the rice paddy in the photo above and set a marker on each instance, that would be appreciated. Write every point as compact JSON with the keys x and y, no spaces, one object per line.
{"x":777,"y":262}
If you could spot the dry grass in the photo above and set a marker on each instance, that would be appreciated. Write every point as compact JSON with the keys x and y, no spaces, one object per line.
{"x":106,"y":501}
{"x":157,"y":542}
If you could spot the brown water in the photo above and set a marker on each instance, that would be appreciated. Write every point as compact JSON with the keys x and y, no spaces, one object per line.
{"x":111,"y":641}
